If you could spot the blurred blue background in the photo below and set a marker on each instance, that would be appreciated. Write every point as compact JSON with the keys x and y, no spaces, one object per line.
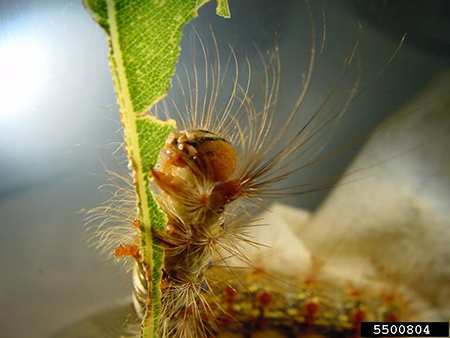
{"x":59,"y":126}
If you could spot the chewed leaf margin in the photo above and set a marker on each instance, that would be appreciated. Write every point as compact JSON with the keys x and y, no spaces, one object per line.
{"x":144,"y":37}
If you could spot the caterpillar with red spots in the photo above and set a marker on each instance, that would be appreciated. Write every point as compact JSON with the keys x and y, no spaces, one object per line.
{"x":213,"y":175}
{"x":209,"y":174}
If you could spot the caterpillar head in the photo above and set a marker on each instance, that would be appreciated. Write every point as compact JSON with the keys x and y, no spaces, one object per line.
{"x":204,"y":152}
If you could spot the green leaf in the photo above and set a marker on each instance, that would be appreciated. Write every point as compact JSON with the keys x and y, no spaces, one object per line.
{"x":99,"y":11}
{"x":223,"y":9}
{"x":144,"y":38}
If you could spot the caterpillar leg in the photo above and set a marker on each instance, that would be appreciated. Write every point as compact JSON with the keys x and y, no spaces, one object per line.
{"x":170,"y":184}
{"x":127,"y":250}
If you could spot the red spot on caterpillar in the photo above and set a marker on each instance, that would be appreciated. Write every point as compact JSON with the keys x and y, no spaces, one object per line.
{"x":311,"y":308}
{"x":230,"y":299}
{"x":227,"y":320}
{"x":231,"y":293}
{"x":265,"y":299}
{"x":358,"y":316}
{"x":391,"y":317}
{"x":127,"y":250}
{"x":262,"y":324}
{"x":136,"y":223}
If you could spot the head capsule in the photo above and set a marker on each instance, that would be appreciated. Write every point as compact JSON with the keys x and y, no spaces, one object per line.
{"x":204,"y":152}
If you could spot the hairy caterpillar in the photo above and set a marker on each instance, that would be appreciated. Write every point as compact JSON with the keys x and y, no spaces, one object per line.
{"x":195,"y":187}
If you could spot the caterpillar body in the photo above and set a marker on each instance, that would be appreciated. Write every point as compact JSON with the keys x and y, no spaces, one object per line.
{"x":209,"y":173}
{"x":210,"y":179}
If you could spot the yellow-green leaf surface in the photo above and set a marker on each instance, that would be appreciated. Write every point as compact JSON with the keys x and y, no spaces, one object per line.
{"x":99,"y":12}
{"x":223,"y":9}
{"x":144,"y":38}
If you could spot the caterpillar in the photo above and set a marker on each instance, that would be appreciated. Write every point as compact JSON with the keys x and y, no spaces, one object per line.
{"x":211,"y":176}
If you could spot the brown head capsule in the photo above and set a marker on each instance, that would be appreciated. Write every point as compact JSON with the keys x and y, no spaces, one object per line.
{"x":210,"y":154}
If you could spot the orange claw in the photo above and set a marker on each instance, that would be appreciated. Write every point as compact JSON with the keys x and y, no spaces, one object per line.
{"x":127,"y":250}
